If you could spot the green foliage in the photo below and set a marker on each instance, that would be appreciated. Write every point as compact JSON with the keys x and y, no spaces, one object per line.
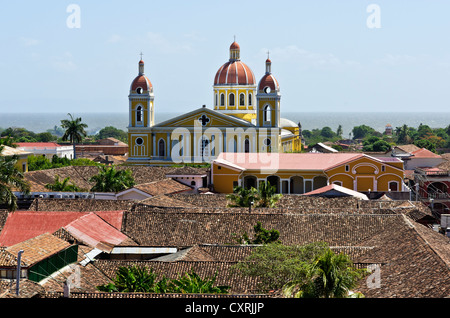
{"x":192,"y":283}
{"x":7,"y":141}
{"x":41,"y":163}
{"x":24,"y":135}
{"x":64,"y":185}
{"x":262,"y":236}
{"x":425,"y":143}
{"x":111,"y":180}
{"x":362,"y":131}
{"x":374,"y":143}
{"x":327,"y":132}
{"x":275,"y":264}
{"x":144,"y":280}
{"x":242,"y":197}
{"x":264,"y":196}
{"x":112,"y":132}
{"x":74,"y":129}
{"x":10,"y":178}
{"x":331,"y":275}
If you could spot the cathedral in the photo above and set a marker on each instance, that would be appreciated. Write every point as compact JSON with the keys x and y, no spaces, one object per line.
{"x":245,"y":119}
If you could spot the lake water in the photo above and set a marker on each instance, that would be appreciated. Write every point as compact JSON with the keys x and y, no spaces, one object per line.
{"x":40,"y":122}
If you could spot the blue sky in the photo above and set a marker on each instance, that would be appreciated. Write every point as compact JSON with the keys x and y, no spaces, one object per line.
{"x":323,"y":54}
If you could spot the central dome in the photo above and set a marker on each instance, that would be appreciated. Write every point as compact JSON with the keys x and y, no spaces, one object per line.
{"x":234,"y":72}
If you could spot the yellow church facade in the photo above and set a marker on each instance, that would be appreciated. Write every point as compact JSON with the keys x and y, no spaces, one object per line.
{"x":245,"y":117}
{"x":300,"y":173}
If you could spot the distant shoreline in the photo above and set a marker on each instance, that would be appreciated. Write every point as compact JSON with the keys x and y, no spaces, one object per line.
{"x":42,"y":121}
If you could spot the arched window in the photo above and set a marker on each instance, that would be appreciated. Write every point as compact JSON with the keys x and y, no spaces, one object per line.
{"x":161,"y":148}
{"x":250,"y":99}
{"x":247,"y":145}
{"x":241,"y":99}
{"x":139,"y":114}
{"x":216,"y":100}
{"x":222,"y":100}
{"x":267,"y":113}
{"x":231,"y":99}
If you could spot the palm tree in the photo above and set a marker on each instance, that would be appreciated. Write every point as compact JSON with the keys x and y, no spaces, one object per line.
{"x":112,"y":180}
{"x":192,"y":283}
{"x":264,"y":196}
{"x":267,"y":195}
{"x":11,"y":178}
{"x":329,"y":276}
{"x":74,"y":131}
{"x":64,"y":185}
{"x":242,"y":197}
{"x":132,"y":279}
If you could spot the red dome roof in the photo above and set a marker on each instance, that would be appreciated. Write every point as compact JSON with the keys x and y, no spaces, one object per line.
{"x":268,"y":80}
{"x":143,"y":82}
{"x":234,"y":72}
{"x":235,"y":46}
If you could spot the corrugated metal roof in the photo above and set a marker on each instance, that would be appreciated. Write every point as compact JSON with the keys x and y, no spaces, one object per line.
{"x":24,"y":225}
{"x":94,"y":231}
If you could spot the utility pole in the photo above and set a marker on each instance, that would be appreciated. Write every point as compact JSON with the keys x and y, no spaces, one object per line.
{"x":19,"y":260}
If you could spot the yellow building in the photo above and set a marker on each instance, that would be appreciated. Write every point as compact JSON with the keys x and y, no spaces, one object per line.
{"x":245,"y":118}
{"x":299,"y":173}
{"x":22,"y":157}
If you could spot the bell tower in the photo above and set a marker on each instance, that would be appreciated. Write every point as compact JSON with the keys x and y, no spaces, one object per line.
{"x":141,"y":98}
{"x":268,"y":99}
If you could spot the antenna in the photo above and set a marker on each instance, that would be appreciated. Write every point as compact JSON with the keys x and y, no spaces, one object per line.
{"x":141,"y":55}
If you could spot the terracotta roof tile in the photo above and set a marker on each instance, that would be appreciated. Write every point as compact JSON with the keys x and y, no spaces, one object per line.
{"x":38,"y":248}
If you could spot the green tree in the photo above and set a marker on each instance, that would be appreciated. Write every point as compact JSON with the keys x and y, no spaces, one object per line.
{"x":74,"y":131}
{"x":403,"y":134}
{"x":11,"y":179}
{"x":275,"y":264}
{"x":111,"y":180}
{"x":426,"y":143}
{"x":8,"y":141}
{"x":374,"y":143}
{"x":192,"y":283}
{"x":331,"y":275}
{"x":242,"y":197}
{"x":132,"y":279}
{"x":362,"y":131}
{"x":64,"y":185}
{"x":339,"y":131}
{"x":113,"y":132}
{"x":327,"y":133}
{"x":262,"y":236}
{"x":264,"y":196}
{"x":267,"y":196}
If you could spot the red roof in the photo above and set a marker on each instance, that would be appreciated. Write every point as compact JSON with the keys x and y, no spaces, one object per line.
{"x":92,"y":230}
{"x":286,"y":161}
{"x":23,"y":225}
{"x":268,"y":80}
{"x":424,"y":153}
{"x":38,"y":144}
{"x":234,"y":72}
{"x":141,"y":81}
{"x":235,"y":46}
